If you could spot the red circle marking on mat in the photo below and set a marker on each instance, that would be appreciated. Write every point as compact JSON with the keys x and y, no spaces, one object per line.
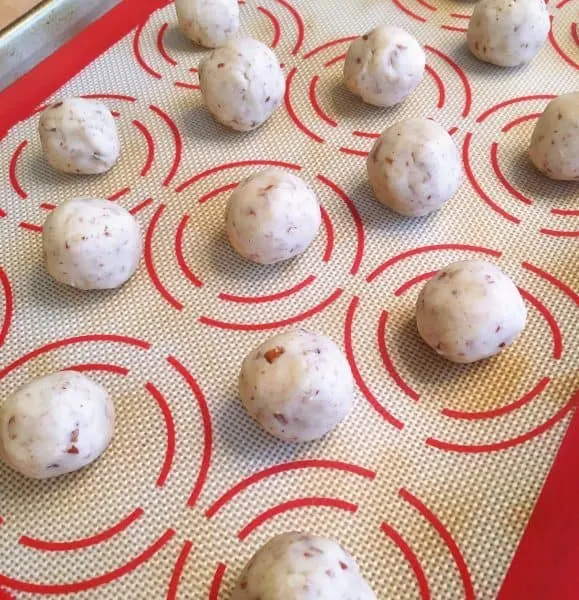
{"x":8,"y":306}
{"x":454,"y":28}
{"x":270,"y":297}
{"x":520,"y":120}
{"x":294,"y":117}
{"x":169,"y":432}
{"x":177,"y":139}
{"x":427,"y":5}
{"x":353,"y":151}
{"x":462,"y":76}
{"x":81,"y":368}
{"x":503,"y":410}
{"x":366,"y":134}
{"x":317,"y":106}
{"x":207,"y":429}
{"x":327,"y":222}
{"x":335,"y":60}
{"x":348,"y":345}
{"x":150,"y":147}
{"x":411,"y":559}
{"x":446,"y":538}
{"x":275,"y":24}
{"x":138,"y":55}
{"x":410,"y":13}
{"x":161,"y":45}
{"x":439,"y":85}
{"x":387,"y":361}
{"x":297,"y":465}
{"x":119,"y":194}
{"x":563,"y":212}
{"x":70,"y":341}
{"x":93,"y":540}
{"x":275,"y":324}
{"x":414,"y":281}
{"x":559,"y":232}
{"x":217,"y":581}
{"x":151,"y":265}
{"x":299,"y":24}
{"x":140,"y":206}
{"x":178,"y":570}
{"x":293,"y":505}
{"x":563,"y":287}
{"x":218,"y":191}
{"x":501,"y":177}
{"x":485,"y":115}
{"x":575,"y":32}
{"x":425,"y":249}
{"x":323,"y":47}
{"x":89,"y":584}
{"x":13,"y":173}
{"x":560,"y":50}
{"x":180,"y":255}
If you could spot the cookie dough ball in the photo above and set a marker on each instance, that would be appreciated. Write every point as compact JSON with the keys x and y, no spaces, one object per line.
{"x":241,"y":84}
{"x":508,"y":33}
{"x":554,"y":147}
{"x":301,"y":566}
{"x":297,"y":385}
{"x":55,"y":424}
{"x":209,"y":23}
{"x":79,"y":136}
{"x":384,"y":66}
{"x":272,"y":216}
{"x":470,"y":310}
{"x":91,"y":244}
{"x":414,"y":167}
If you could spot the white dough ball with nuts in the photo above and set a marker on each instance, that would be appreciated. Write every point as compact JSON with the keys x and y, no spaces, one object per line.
{"x":414,"y":167}
{"x":297,"y":385}
{"x":470,"y":310}
{"x":384,"y":66}
{"x":302,"y":566}
{"x":55,"y":424}
{"x":554,"y":148}
{"x":241,"y":83}
{"x":209,"y":23}
{"x":79,"y":136}
{"x":508,"y":33}
{"x":91,"y":243}
{"x":272,"y":216}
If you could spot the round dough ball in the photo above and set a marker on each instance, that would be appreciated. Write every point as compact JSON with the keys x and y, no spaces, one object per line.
{"x":297,"y":385}
{"x":554,"y":147}
{"x":55,"y":424}
{"x":508,"y":33}
{"x":209,"y":23}
{"x":91,"y":244}
{"x":414,"y":167}
{"x":384,"y":66}
{"x":272,"y":216}
{"x":241,"y":84}
{"x":470,"y":310}
{"x":301,"y":566}
{"x":79,"y":136}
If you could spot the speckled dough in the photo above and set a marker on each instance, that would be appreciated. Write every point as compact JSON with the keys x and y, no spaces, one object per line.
{"x":79,"y":136}
{"x":241,"y":83}
{"x":297,"y":385}
{"x":384,"y":66}
{"x":272,"y":216}
{"x":414,"y":167}
{"x":508,"y":33}
{"x":55,"y":424}
{"x":470,"y":310}
{"x":210,"y":23}
{"x":90,"y":243}
{"x":554,"y":147}
{"x":301,"y":566}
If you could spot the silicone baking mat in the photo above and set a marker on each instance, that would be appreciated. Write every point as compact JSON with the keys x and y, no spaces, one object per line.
{"x":431,"y":481}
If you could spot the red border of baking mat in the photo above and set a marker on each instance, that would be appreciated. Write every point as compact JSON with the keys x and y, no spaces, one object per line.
{"x":546,"y":563}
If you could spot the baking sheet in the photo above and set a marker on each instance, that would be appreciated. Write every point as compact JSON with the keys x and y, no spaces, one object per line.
{"x":432,"y":479}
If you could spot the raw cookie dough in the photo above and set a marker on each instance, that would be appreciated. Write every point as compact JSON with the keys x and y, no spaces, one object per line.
{"x":241,"y":83}
{"x":210,"y":23}
{"x":470,"y":310}
{"x":508,"y":33}
{"x":554,"y":147}
{"x":297,"y":385}
{"x":301,"y":566}
{"x":90,"y":243}
{"x":272,"y":216}
{"x":414,"y":167}
{"x":55,"y":424}
{"x":79,"y":136}
{"x":384,"y":66}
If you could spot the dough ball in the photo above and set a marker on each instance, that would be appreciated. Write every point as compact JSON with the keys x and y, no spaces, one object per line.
{"x":209,"y":23}
{"x":297,"y":385}
{"x":301,"y":566}
{"x":414,"y":167}
{"x":384,"y":66}
{"x":470,"y":310}
{"x":79,"y":136}
{"x":554,"y":147}
{"x":91,"y":244}
{"x":55,"y":424}
{"x":272,"y":216}
{"x":508,"y":33}
{"x":241,"y":83}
